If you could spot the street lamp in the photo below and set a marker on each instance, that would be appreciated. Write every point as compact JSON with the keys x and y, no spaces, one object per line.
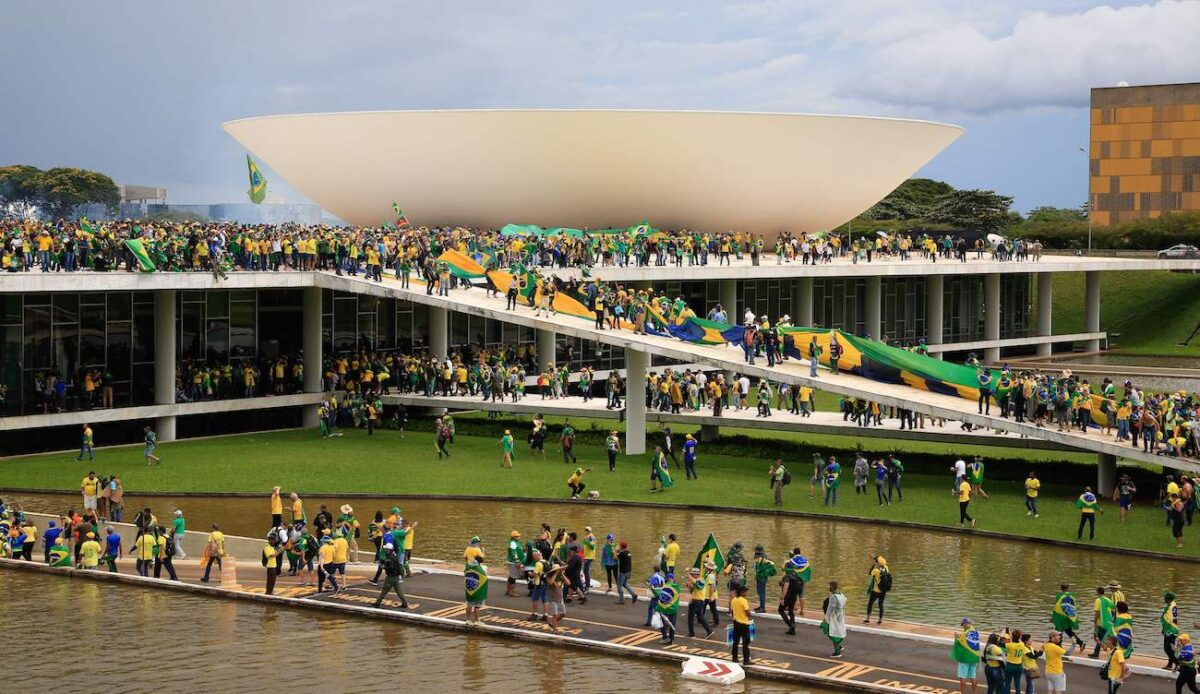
{"x":1087,"y":206}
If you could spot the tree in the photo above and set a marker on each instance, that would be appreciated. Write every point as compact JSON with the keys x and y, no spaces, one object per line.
{"x":980,"y":209}
{"x":63,"y":190}
{"x":20,"y":193}
{"x":910,"y":200}
{"x":1056,"y":214}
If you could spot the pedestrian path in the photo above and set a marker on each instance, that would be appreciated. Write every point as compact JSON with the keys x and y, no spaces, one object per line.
{"x":828,"y":423}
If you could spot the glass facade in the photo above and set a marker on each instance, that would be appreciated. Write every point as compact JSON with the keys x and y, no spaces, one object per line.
{"x":840,"y":303}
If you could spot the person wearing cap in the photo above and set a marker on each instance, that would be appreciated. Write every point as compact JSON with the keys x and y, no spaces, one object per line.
{"x":764,"y":569}
{"x":341,"y":551}
{"x":178,"y":530}
{"x":271,"y":553}
{"x":474,"y":551}
{"x":612,"y":446}
{"x":875,"y":589}
{"x":698,"y":588}
{"x":967,"y":651}
{"x":89,"y":552}
{"x":1053,"y":652}
{"x":50,"y":537}
{"x":394,"y":571}
{"x":1169,"y":622}
{"x":608,"y":559}
{"x":1185,"y":658}
{"x":689,"y":457}
{"x":60,"y":554}
{"x":515,"y":558}
{"x":351,"y":529}
{"x":325,"y":558}
{"x":507,"y":445}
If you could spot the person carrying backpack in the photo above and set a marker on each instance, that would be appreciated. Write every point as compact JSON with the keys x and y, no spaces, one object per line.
{"x":878,"y":588}
{"x":780,"y":477}
{"x":393,"y":570}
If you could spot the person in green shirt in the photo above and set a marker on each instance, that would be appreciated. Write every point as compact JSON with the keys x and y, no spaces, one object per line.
{"x":764,"y":569}
{"x":178,"y":529}
{"x":568,"y":443}
{"x":506,"y":442}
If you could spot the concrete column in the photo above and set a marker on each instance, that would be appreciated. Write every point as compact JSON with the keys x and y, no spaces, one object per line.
{"x":1045,"y":311}
{"x":164,"y":359}
{"x":802,"y":302}
{"x":709,"y":432}
{"x":545,"y":349}
{"x":935,"y":289}
{"x":728,"y":300}
{"x":635,"y":401}
{"x":991,"y":315}
{"x":1106,"y":474}
{"x":439,"y":331}
{"x":1091,"y":321}
{"x":313,"y":359}
{"x":872,"y":322}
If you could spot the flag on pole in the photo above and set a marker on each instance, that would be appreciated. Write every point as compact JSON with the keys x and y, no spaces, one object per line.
{"x":87,"y":226}
{"x":710,"y":551}
{"x":401,"y":219}
{"x":258,"y":184}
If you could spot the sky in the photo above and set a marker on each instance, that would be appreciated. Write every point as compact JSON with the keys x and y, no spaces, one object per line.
{"x":140,"y":93}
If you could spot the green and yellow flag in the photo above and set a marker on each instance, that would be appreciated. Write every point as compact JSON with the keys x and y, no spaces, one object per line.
{"x":258,"y":184}
{"x":138,"y":249}
{"x":710,"y":550}
{"x":476,"y":583}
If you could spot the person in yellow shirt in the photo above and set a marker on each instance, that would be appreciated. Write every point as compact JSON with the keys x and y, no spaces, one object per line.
{"x":276,"y":508}
{"x":325,"y":570}
{"x":1032,"y":485}
{"x":1116,"y":668}
{"x":214,"y":549}
{"x":670,"y":554}
{"x":474,"y":551}
{"x":806,"y":405}
{"x":1014,"y":659}
{"x":144,"y":548}
{"x":698,"y":588}
{"x":297,"y":509}
{"x":964,"y":500}
{"x":270,"y":559}
{"x":1054,"y":652}
{"x":89,"y":487}
{"x":739,"y":607}
{"x":89,"y":552}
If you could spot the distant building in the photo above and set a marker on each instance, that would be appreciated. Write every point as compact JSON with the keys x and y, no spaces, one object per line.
{"x":1145,"y":151}
{"x":141,"y":194}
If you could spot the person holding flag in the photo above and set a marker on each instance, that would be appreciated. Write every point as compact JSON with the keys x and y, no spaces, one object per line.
{"x":1102,"y":619}
{"x":476,"y":584}
{"x":967,"y":652}
{"x":1066,"y":614}
{"x":834,"y":623}
{"x":659,"y":475}
{"x":1169,"y":621}
{"x":796,"y":573}
{"x":1122,"y":627}
{"x":401,"y":218}
{"x":666,"y":606}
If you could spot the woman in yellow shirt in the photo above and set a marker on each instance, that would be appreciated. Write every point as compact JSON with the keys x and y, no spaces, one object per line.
{"x":1014,"y":658}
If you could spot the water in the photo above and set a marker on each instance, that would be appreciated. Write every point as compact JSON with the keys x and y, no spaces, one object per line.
{"x":940,"y":577}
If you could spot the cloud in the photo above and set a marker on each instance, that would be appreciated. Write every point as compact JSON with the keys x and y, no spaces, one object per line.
{"x":1045,"y":60}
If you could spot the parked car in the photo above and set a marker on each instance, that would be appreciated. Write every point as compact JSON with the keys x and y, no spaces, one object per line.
{"x":1180,"y":250}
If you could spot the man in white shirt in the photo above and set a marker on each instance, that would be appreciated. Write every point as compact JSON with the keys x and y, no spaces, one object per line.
{"x":960,"y":472}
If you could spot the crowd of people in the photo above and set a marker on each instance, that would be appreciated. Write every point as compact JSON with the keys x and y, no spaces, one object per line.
{"x":76,"y":245}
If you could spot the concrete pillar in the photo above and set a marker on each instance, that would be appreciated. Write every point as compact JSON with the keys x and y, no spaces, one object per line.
{"x":635,"y":401}
{"x":935,"y":289}
{"x":164,"y":359}
{"x":991,"y":315}
{"x":1106,"y":474}
{"x":439,"y":331}
{"x":1045,"y":311}
{"x":709,"y":432}
{"x":313,"y":366}
{"x":728,"y":300}
{"x":872,"y":322}
{"x":545,"y":349}
{"x":802,"y":302}
{"x":1091,"y":303}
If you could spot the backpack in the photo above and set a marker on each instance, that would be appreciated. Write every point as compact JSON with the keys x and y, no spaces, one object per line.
{"x":1104,"y":674}
{"x":787,"y":477}
{"x":885,"y":581}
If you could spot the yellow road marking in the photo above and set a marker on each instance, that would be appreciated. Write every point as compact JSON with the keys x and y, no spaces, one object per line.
{"x":636,"y":638}
{"x":847,"y":671}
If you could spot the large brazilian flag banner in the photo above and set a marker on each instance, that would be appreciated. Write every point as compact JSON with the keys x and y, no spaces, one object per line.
{"x":476,"y":583}
{"x":138,"y":249}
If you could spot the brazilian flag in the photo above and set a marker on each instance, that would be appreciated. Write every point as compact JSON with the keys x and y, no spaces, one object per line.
{"x":476,"y":583}
{"x":60,"y":555}
{"x":1065,"y":615}
{"x":711,"y":551}
{"x":258,"y":184}
{"x":1123,"y":628}
{"x":799,"y":567}
{"x":138,"y":249}
{"x":664,"y":475}
{"x":668,"y":599}
{"x":967,"y":647}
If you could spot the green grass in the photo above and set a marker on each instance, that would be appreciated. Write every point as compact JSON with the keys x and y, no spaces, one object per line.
{"x":386,"y":464}
{"x":1153,"y":311}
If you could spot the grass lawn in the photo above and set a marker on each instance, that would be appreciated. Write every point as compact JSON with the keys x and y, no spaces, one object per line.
{"x":1153,"y":311}
{"x":386,"y":464}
